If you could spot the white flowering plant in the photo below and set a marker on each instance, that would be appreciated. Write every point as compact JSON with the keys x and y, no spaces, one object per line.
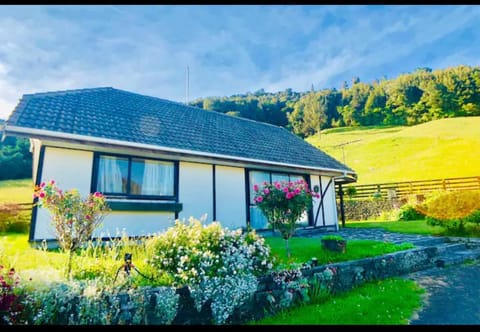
{"x":215,"y":263}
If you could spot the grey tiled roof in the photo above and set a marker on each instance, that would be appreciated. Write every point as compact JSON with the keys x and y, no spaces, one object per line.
{"x":131,"y":117}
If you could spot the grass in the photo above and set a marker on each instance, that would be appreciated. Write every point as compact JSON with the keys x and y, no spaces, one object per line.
{"x":386,"y":302}
{"x":406,"y":227}
{"x":303,"y":249}
{"x":433,"y":150}
{"x":398,"y":298}
{"x":16,"y":191}
{"x":416,"y":227}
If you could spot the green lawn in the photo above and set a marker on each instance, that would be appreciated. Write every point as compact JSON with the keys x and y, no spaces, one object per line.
{"x":385,"y":302}
{"x":407,"y":227}
{"x":433,"y":150}
{"x":303,"y":249}
{"x":398,"y":298}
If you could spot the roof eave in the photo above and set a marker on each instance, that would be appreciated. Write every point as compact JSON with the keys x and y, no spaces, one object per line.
{"x":45,"y":134}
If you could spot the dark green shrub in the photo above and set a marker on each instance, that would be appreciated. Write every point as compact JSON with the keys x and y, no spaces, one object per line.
{"x":474,"y":217}
{"x":351,"y":191}
{"x":409,"y":212}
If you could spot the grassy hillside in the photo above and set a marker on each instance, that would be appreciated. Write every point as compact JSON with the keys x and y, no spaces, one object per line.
{"x":438,"y":149}
{"x":16,"y":191}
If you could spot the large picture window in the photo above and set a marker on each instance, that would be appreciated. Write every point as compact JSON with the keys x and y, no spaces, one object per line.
{"x":256,"y":217}
{"x":135,"y":177}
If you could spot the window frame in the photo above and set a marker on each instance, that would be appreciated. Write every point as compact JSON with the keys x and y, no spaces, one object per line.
{"x":249,"y":204}
{"x":128,"y":195}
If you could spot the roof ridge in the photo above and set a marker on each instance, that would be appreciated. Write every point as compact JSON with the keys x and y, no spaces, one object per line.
{"x":63,"y":92}
{"x":198,"y":108}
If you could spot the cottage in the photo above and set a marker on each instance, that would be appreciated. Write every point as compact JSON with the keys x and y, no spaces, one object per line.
{"x":158,"y":160}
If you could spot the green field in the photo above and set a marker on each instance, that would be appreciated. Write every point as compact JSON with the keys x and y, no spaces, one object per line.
{"x":445,"y":148}
{"x":16,"y":191}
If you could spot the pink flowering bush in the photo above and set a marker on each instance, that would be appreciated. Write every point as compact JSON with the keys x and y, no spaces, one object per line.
{"x":283,"y":203}
{"x":73,"y":217}
{"x":10,"y":306}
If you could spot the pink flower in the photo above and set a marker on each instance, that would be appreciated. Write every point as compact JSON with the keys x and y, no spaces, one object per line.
{"x":266,"y":191}
{"x":97,"y":194}
{"x":259,"y":199}
{"x":52,"y":181}
{"x":285,"y":190}
{"x":289,"y":195}
{"x":255,"y":187}
{"x":297,"y":191}
{"x":42,"y":184}
{"x":88,"y":217}
{"x":42,"y":194}
{"x":277,"y":185}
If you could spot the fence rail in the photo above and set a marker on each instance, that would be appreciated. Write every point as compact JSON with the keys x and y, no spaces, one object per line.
{"x":402,"y":189}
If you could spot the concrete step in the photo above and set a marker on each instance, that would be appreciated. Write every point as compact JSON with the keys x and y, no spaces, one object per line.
{"x":450,"y":247}
{"x":430,"y":242}
{"x":457,"y":257}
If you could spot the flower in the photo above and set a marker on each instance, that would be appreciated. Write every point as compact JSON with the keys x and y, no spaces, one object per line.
{"x":255,"y":187}
{"x":283,"y":203}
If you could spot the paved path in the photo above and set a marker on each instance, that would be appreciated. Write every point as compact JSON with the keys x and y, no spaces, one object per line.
{"x":452,"y":294}
{"x":377,"y":234}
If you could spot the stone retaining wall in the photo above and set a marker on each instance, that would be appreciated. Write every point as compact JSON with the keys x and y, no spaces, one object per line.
{"x":337,"y":277}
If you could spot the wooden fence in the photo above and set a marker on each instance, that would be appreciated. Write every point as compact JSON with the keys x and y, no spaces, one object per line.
{"x":402,"y":189}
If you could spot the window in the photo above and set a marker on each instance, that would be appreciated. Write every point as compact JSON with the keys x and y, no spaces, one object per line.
{"x":135,"y":177}
{"x":256,"y":217}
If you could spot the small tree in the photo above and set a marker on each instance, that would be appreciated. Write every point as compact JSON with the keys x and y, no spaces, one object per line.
{"x":73,"y":217}
{"x":283,"y":203}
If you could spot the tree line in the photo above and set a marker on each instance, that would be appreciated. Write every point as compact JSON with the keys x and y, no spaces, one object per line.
{"x":15,"y":158}
{"x":408,"y":99}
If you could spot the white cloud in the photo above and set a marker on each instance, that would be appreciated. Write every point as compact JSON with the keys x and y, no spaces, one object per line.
{"x":229,"y":49}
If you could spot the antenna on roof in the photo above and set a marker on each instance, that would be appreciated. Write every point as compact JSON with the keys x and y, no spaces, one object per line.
{"x":188,"y":79}
{"x":342,"y":145}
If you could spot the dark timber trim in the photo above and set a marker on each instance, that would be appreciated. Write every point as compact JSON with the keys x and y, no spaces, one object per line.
{"x":214,"y":194}
{"x":322,"y":195}
{"x":342,"y":208}
{"x":146,"y":206}
{"x":176,"y":172}
{"x":38,"y":179}
{"x":130,"y":158}
{"x":247,"y":195}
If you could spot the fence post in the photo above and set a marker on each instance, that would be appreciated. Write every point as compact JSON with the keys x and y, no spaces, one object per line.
{"x":444,"y":184}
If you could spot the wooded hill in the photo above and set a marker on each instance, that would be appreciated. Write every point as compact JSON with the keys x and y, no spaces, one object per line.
{"x":409,"y":99}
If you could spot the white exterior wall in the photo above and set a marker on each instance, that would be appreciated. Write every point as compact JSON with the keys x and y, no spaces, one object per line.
{"x":329,"y":202}
{"x":135,"y":223}
{"x":70,"y":169}
{"x":315,"y":181}
{"x":195,"y":190}
{"x":230,"y":196}
{"x":35,"y":147}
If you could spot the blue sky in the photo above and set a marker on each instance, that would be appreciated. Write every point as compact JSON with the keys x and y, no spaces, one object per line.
{"x":229,"y":49}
